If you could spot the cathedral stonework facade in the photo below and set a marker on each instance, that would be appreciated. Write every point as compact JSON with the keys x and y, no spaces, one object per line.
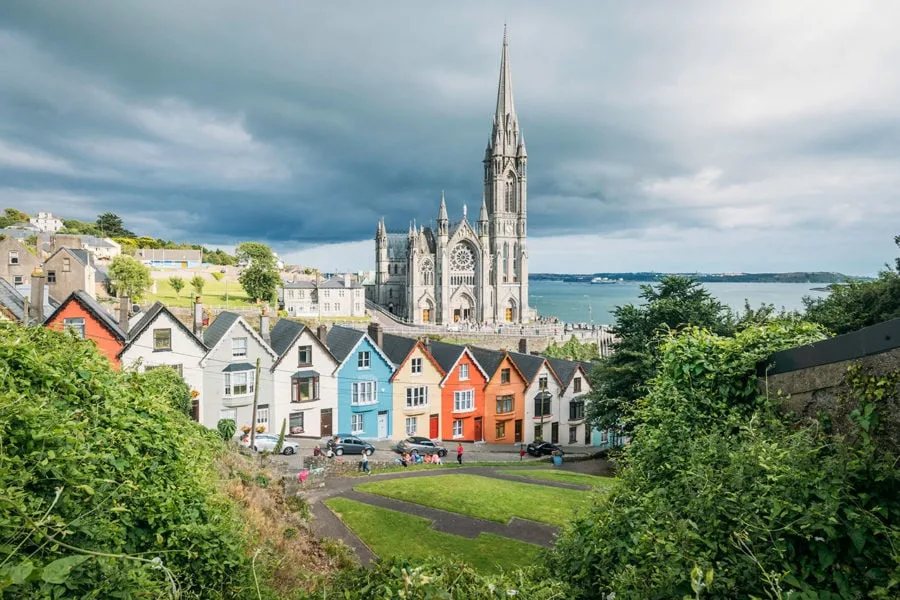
{"x":468,"y":271}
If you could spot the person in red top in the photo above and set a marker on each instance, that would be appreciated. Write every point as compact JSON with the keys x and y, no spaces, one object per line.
{"x":459,"y":453}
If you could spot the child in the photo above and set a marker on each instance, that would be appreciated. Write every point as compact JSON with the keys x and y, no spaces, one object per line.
{"x":365,"y":464}
{"x":459,"y":453}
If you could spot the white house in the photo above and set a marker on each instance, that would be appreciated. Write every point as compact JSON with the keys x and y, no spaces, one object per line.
{"x":45,"y":222}
{"x":101,"y":248}
{"x":575,"y":385}
{"x":542,"y":414}
{"x":305,"y":386}
{"x":333,"y":298}
{"x":229,"y":372}
{"x":157,"y":338}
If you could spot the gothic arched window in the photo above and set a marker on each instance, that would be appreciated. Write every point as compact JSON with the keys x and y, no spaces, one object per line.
{"x":505,"y":262}
{"x":428,"y":272}
{"x":515,"y":262}
{"x":462,"y":265}
{"x":510,"y":193}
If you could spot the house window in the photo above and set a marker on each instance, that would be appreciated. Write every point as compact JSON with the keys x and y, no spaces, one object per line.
{"x":326,"y":294}
{"x":542,"y":408}
{"x":504,"y":375}
{"x":262,"y":415}
{"x":416,"y":396}
{"x":504,"y":404}
{"x":17,"y":280}
{"x":239,"y":383}
{"x":357,"y":424}
{"x":538,"y":433}
{"x":304,"y":356}
{"x":416,"y":366}
{"x":51,"y":276}
{"x":295,"y":422}
{"x":463,"y":372}
{"x":573,"y":435}
{"x":67,"y":264}
{"x":410,"y":426}
{"x":501,"y":430}
{"x":13,"y":257}
{"x":363,"y":360}
{"x":576,"y":385}
{"x":457,"y":428}
{"x":228,"y":413}
{"x":75,"y":324}
{"x":464,"y":400}
{"x":162,"y":339}
{"x":576,"y":410}
{"x":327,"y":306}
{"x":542,"y":382}
{"x":304,"y":389}
{"x":363,"y":392}
{"x":239,"y":347}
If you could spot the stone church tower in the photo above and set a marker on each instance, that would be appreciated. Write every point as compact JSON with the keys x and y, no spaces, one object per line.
{"x":466,"y":272}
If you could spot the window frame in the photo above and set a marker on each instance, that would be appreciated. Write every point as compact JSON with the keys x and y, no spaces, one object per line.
{"x":249,"y":384}
{"x":546,"y":403}
{"x":364,"y":360}
{"x":506,"y":398}
{"x":296,"y":386}
{"x":69,"y":324}
{"x":500,"y":430}
{"x":14,"y":257}
{"x":505,"y":375}
{"x":576,"y":385}
{"x":234,"y":347}
{"x":291,"y":427}
{"x":414,"y":421}
{"x":464,"y":372}
{"x":67,"y":264}
{"x":363,"y":388}
{"x":458,"y":422}
{"x":168,"y":346}
{"x":462,"y":398}
{"x":573,"y":434}
{"x":543,"y":382}
{"x":18,"y":280}
{"x":356,"y":429}
{"x":51,"y":277}
{"x":415,"y":366}
{"x":576,"y":410}
{"x":414,"y":399}
{"x":300,"y":351}
{"x":262,"y":415}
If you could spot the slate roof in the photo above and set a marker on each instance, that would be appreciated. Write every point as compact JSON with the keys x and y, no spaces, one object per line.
{"x":488,"y":359}
{"x":148,"y":317}
{"x":396,"y":245}
{"x":338,"y":283}
{"x":14,"y":299}
{"x":96,"y":242}
{"x":565,"y":369}
{"x":528,"y":364}
{"x":397,"y":347}
{"x":218,"y":328}
{"x":300,"y":285}
{"x":283,"y":335}
{"x":342,"y":341}
{"x":169,"y":254}
{"x":446,"y":354}
{"x":244,"y":366}
{"x":83,"y":256}
{"x":95,"y":310}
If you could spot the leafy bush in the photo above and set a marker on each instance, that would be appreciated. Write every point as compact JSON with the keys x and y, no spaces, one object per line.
{"x":106,"y":488}
{"x":226,"y":428}
{"x":717,"y":480}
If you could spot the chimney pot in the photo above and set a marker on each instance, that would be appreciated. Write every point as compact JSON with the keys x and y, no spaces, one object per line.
{"x":36,"y":307}
{"x":377,"y":334}
{"x":264,"y":324}
{"x":198,"y":316}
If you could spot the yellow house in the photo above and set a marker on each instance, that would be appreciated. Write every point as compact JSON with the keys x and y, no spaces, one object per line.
{"x":417,"y":390}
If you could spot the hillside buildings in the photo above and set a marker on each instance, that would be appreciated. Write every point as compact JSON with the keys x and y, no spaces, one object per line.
{"x":337,"y":297}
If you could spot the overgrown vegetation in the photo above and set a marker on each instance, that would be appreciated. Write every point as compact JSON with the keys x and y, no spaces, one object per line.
{"x":573,"y":349}
{"x":260,"y":277}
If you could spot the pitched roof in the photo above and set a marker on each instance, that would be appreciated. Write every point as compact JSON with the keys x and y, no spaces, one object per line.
{"x":488,"y":359}
{"x":299,"y":285}
{"x":528,"y":364}
{"x":219,"y":327}
{"x":397,"y":245}
{"x":173,"y":254}
{"x":342,"y":341}
{"x":83,"y":256}
{"x":149,"y":317}
{"x":446,"y":354}
{"x":397,"y":347}
{"x":283,"y":335}
{"x":95,"y":310}
{"x":14,"y":299}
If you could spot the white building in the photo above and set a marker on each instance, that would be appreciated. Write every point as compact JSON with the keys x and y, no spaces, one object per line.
{"x":333,"y":298}
{"x":157,"y":338}
{"x":575,"y":385}
{"x":542,"y":416}
{"x":45,"y":222}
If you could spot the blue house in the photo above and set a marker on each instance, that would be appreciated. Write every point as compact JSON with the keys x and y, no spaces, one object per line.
{"x":365,"y":392}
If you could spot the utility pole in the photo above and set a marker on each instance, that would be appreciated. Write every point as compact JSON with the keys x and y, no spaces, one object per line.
{"x":255,"y":400}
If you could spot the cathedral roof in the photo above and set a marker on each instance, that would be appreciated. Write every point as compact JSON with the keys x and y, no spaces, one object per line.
{"x":396,"y":245}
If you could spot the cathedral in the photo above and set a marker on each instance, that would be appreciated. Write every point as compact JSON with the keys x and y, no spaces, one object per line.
{"x":468,"y":271}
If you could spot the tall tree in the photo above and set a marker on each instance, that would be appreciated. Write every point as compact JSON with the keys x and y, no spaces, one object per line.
{"x":110,"y":225}
{"x":177,"y":284}
{"x":260,"y":277}
{"x":197,"y":282}
{"x":13,"y":216}
{"x":129,"y":276}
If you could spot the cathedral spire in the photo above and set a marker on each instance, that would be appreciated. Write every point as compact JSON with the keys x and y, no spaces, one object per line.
{"x":442,"y":214}
{"x":506,"y":124}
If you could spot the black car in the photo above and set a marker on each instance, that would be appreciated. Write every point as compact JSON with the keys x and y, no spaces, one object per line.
{"x":349,"y":444}
{"x":543,"y":449}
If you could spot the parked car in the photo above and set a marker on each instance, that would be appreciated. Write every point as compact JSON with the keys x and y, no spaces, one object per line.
{"x":543,"y":449}
{"x":343,"y":443}
{"x":420,"y":445}
{"x":266,"y":442}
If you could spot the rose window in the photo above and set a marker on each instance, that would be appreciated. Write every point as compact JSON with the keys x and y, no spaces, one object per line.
{"x":462,"y":263}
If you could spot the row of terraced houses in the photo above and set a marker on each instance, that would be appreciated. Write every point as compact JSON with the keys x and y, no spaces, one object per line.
{"x":324,"y":381}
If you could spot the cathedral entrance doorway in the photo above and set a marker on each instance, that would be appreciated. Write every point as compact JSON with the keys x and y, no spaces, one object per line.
{"x":511,"y":316}
{"x":426,"y":315}
{"x":463,"y":307}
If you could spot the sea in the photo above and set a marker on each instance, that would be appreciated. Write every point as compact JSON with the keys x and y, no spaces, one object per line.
{"x":594,"y":303}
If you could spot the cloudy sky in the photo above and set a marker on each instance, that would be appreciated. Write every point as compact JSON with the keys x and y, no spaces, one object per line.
{"x":689,"y":136}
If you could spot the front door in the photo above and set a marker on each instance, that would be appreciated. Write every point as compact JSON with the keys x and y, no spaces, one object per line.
{"x":478,"y":434}
{"x":426,"y":315}
{"x":518,"y":430}
{"x":509,"y":315}
{"x":326,"y":422}
{"x":382,"y":424}
{"x":554,"y":433}
{"x":433,"y":422}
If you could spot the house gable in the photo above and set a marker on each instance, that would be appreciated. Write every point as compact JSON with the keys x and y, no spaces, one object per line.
{"x":465,"y":352}
{"x":156,"y":313}
{"x":239,"y":322}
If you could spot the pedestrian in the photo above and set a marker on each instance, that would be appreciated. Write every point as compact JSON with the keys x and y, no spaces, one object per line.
{"x":521,"y":453}
{"x":317,"y":451}
{"x":365,"y":464}
{"x":329,"y":453}
{"x":459,"y":453}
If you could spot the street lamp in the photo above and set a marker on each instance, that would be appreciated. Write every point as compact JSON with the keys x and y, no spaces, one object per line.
{"x":222,"y":271}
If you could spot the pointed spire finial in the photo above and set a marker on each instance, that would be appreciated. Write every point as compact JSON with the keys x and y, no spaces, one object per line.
{"x":464,"y":212}
{"x":483,"y":216}
{"x":442,"y":215}
{"x":505,"y":125}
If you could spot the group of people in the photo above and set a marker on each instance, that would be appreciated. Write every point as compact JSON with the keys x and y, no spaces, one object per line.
{"x":414,"y":459}
{"x":327,"y":453}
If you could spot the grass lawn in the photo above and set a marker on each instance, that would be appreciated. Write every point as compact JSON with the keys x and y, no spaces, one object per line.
{"x":483,"y":497}
{"x":595,"y":481}
{"x":391,"y":533}
{"x":213,"y":294}
{"x":428,"y":467}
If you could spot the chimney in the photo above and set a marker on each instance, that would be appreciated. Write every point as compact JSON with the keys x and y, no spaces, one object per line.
{"x":322,"y":333}
{"x":523,"y":346}
{"x":346,"y":280}
{"x":198,"y":316}
{"x":36,"y":307}
{"x":124,"y":312}
{"x":264,"y":324}
{"x":376,"y":334}
{"x":426,"y":342}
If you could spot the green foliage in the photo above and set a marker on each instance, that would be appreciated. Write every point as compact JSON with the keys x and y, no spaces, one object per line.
{"x":226,"y":428}
{"x":167,"y":382}
{"x":717,"y":480}
{"x":197,"y":283}
{"x":574,"y":350}
{"x":106,"y":489}
{"x":218,"y":257}
{"x":177,"y":284}
{"x":110,"y":225}
{"x":260,"y":277}
{"x":13,"y":216}
{"x":129,"y":245}
{"x":217,"y":275}
{"x":75,"y":226}
{"x":129,"y":276}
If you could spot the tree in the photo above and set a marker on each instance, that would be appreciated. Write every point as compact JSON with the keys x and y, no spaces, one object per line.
{"x":129,"y":276}
{"x":110,"y":225}
{"x":260,"y":277}
{"x":197,"y":282}
{"x":858,"y":304}
{"x":218,"y":257}
{"x":619,"y":380}
{"x":13,"y":216}
{"x":177,"y":284}
{"x":76,"y":227}
{"x":217,"y":275}
{"x":574,"y":350}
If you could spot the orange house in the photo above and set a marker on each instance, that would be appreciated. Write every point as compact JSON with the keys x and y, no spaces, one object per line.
{"x":504,"y":397}
{"x":462,"y":393}
{"x":84,"y":315}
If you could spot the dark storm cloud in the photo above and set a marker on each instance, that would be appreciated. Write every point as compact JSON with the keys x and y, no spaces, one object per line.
{"x":300,"y":124}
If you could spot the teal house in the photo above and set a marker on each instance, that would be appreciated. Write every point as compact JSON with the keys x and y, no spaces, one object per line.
{"x":365,"y":392}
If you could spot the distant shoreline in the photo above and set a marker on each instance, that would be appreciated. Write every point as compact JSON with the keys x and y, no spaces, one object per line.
{"x":812,"y":277}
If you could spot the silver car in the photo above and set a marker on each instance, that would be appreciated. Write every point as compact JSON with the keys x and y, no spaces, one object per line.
{"x":266,"y":442}
{"x":420,"y":445}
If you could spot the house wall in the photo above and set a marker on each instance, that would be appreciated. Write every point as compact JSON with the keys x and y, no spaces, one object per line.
{"x":282,"y":407}
{"x":452,"y":383}
{"x":380,"y":372}
{"x":26,"y":261}
{"x":430,"y":378}
{"x":516,"y":388}
{"x":324,"y":302}
{"x":185,"y":352}
{"x":107,"y":343}
{"x":582,"y":430}
{"x":78,"y":277}
{"x":214,"y":377}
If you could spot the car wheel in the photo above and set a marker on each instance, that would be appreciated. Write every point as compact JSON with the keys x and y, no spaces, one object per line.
{"x":255,"y":449}
{"x":442,"y":453}
{"x":339,"y":451}
{"x":369,"y":451}
{"x":288,"y":451}
{"x":414,"y":452}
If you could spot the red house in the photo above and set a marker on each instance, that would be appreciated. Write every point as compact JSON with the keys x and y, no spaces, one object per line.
{"x":462,"y":393}
{"x":84,"y":315}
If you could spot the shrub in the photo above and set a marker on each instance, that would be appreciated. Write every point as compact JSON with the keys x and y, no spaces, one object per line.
{"x":226,"y":428}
